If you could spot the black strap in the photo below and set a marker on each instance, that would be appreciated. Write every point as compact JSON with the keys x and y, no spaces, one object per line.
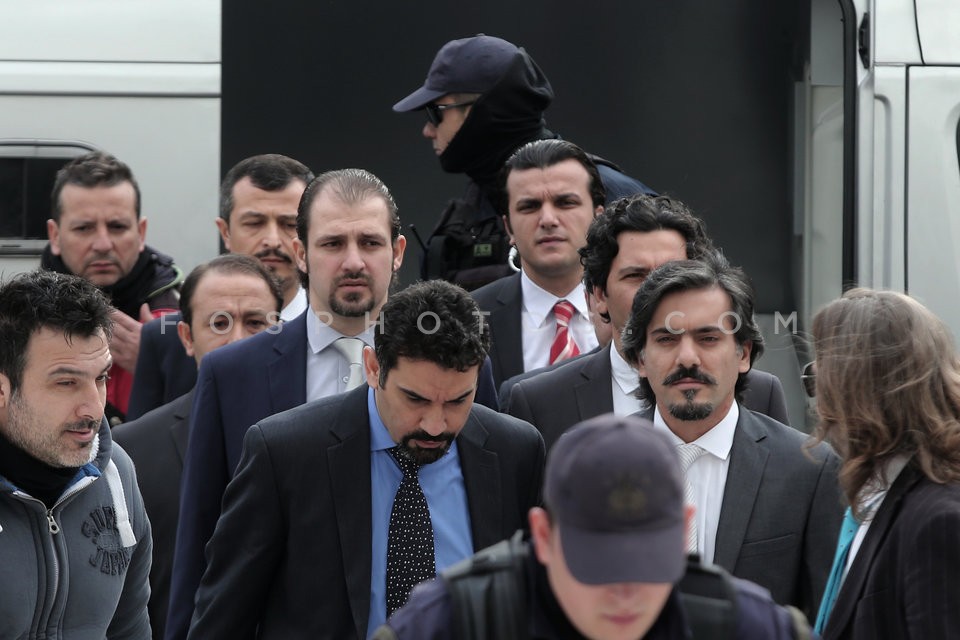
{"x":488,"y":592}
{"x":709,"y":600}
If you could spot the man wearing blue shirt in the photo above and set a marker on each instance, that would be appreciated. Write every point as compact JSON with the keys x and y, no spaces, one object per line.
{"x":340,"y":506}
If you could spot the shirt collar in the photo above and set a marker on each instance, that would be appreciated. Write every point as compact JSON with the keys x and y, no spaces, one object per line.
{"x":872,"y":494}
{"x":624,"y":375}
{"x":717,"y":441}
{"x":320,"y":335}
{"x":297,"y":306}
{"x":538,"y":302}
{"x":379,"y":436}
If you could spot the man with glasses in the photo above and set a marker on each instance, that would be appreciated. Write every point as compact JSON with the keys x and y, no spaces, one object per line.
{"x":483,"y":99}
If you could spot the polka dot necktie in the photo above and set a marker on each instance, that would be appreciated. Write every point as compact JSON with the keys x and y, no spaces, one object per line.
{"x":563,"y":346}
{"x":410,"y":558}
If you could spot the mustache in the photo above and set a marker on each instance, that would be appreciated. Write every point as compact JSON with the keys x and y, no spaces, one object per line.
{"x":692,"y":373}
{"x":83,"y":424}
{"x":420,"y":434}
{"x":353,"y":276}
{"x":273,"y":253}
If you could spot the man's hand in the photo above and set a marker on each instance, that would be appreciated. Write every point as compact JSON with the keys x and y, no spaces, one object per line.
{"x":125,"y":344}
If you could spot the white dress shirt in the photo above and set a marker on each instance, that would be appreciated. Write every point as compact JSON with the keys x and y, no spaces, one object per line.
{"x":538,"y":326}
{"x":708,"y":475}
{"x":327,"y":370}
{"x":625,"y":382}
{"x":297,"y":306}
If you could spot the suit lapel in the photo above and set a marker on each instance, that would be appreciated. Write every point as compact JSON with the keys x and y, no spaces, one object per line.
{"x":856,"y":579}
{"x":748,"y":458}
{"x":481,"y":478}
{"x":180,"y":430}
{"x":506,"y":327}
{"x":349,"y":464}
{"x":288,"y":376}
{"x":593,"y":392}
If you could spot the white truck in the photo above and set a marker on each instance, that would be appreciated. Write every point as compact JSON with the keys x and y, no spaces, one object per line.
{"x":138,"y":79}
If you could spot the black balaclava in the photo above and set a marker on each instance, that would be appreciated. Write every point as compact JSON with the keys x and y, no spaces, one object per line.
{"x":503,"y":119}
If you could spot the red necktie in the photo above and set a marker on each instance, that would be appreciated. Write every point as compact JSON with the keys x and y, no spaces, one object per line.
{"x":563,"y":346}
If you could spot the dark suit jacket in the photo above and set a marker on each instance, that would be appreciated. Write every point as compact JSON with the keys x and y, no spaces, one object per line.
{"x":503,"y":300}
{"x":781,"y":511}
{"x":164,"y":370}
{"x":238,"y":385}
{"x":291,"y":552}
{"x":904,"y":583}
{"x":557,"y":399}
{"x":157,"y":443}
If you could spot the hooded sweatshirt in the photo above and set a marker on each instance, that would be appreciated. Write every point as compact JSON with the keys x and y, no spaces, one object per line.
{"x":77,"y":570}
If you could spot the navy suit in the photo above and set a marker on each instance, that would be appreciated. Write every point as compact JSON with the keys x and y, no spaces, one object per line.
{"x":237,"y":386}
{"x":904,"y":583}
{"x":157,"y":444}
{"x":291,"y":556}
{"x":503,"y":301}
{"x":164,"y":370}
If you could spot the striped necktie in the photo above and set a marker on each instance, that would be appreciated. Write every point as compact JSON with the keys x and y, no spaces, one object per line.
{"x":563,"y":346}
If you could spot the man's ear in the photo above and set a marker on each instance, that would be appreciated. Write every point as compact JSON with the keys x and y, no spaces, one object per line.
{"x":53,"y":235}
{"x":371,"y":367}
{"x":745,"y":350}
{"x":186,"y":338}
{"x":224,"y":228}
{"x":300,"y":255}
{"x":506,"y":225}
{"x":5,"y":392}
{"x":541,"y":532}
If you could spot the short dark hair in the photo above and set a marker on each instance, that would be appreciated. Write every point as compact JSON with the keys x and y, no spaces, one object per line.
{"x":434,"y":321}
{"x":94,"y":169}
{"x":45,"y":299}
{"x":541,"y":154}
{"x":268,"y":172}
{"x":352,"y":186}
{"x":230,"y":263}
{"x":712,"y":270}
{"x":644,"y":213}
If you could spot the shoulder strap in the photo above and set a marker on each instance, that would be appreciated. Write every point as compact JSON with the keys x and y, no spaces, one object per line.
{"x":487,"y":592}
{"x":709,"y":600}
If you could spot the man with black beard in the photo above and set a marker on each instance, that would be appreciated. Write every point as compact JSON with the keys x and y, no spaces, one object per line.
{"x":767,"y":508}
{"x":484,"y":98}
{"x":339,"y":507}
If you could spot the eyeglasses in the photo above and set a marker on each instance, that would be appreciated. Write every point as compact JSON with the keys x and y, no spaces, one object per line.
{"x":435,"y":111}
{"x":808,"y":376}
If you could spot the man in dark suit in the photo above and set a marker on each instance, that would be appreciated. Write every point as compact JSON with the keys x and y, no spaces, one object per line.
{"x":311,"y":522}
{"x":767,"y":506}
{"x":258,"y":216}
{"x":225,"y":300}
{"x":888,"y":394}
{"x":349,"y":243}
{"x":627,"y":241}
{"x":551,"y":192}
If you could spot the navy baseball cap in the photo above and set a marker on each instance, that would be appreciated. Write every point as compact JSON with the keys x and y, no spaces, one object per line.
{"x":614,"y":488}
{"x":468,"y":65}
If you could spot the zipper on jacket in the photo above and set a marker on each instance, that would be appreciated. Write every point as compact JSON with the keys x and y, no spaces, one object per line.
{"x":51,"y":523}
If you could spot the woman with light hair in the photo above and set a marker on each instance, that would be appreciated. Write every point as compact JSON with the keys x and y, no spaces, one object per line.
{"x":887,"y":386}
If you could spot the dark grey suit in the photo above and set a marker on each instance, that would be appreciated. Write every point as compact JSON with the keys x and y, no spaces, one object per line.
{"x":555,"y":400}
{"x":157,"y":442}
{"x":291,"y":551}
{"x":781,"y":511}
{"x":503,"y":300}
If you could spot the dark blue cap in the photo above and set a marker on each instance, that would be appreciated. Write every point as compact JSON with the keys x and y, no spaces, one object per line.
{"x":468,"y":65}
{"x":614,"y":488}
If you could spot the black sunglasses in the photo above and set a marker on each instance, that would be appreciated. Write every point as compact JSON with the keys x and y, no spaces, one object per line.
{"x":808,"y":376}
{"x":435,"y":111}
